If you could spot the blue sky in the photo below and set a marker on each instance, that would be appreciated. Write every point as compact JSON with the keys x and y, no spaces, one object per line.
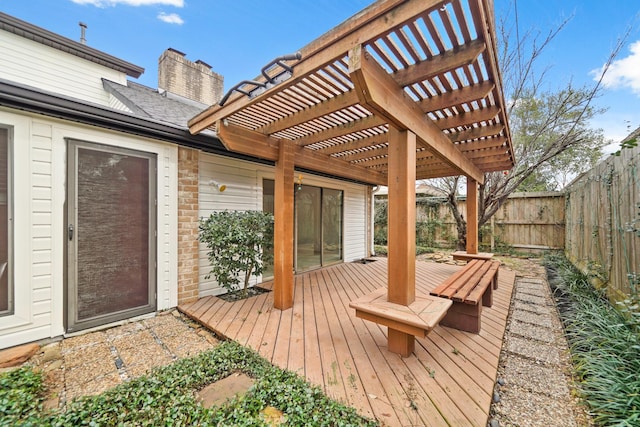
{"x":238,"y":37}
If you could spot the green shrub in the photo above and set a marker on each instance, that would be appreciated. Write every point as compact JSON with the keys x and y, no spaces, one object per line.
{"x":167,"y":397}
{"x":20,"y":397}
{"x":605,"y":346}
{"x":240,"y":244}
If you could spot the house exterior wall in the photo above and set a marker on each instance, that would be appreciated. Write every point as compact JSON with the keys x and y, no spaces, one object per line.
{"x":244,"y":192}
{"x":39,"y":193}
{"x":30,"y":63}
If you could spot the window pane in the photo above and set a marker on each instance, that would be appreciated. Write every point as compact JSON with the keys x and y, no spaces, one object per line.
{"x":5,"y":211}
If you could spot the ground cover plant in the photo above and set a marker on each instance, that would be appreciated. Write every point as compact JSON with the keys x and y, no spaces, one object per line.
{"x":167,"y":397}
{"x":605,"y":345}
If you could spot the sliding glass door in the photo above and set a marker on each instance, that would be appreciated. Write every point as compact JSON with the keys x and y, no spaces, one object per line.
{"x":318,"y":222}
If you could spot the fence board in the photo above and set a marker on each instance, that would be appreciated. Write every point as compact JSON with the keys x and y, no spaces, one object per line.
{"x":526,"y":221}
{"x":603,"y":223}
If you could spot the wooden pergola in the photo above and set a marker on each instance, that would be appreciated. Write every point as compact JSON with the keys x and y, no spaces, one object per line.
{"x":404,"y":90}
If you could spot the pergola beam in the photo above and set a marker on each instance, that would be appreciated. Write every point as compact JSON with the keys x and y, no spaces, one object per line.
{"x":456,"y":97}
{"x":380,"y":93}
{"x":475,"y":116}
{"x":329,"y":106}
{"x":242,"y":140}
{"x":476,"y":133}
{"x":439,"y":64}
{"x":341,"y":130}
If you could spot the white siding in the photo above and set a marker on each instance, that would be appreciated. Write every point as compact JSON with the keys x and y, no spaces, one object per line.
{"x":39,"y":196}
{"x":355,"y":223}
{"x":30,"y":63}
{"x":244,"y":192}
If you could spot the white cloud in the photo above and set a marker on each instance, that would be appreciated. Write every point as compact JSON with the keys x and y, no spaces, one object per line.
{"x":624,"y":72}
{"x":170,"y":18}
{"x":105,"y":3}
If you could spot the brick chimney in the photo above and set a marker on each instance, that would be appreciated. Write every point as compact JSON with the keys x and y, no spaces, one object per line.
{"x":192,"y":80}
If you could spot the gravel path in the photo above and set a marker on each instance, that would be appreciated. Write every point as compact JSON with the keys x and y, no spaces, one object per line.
{"x":534,"y":382}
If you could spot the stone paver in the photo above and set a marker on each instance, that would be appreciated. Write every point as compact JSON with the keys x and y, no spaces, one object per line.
{"x":527,"y":316}
{"x":527,"y":306}
{"x":533,"y":349}
{"x":94,"y":362}
{"x":527,"y":330}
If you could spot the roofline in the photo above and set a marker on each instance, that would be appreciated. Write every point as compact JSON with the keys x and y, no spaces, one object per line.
{"x":25,"y":98}
{"x":40,"y":35}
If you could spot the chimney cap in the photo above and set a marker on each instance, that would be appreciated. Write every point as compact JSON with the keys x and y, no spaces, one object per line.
{"x":201,"y":62}
{"x":176,"y":51}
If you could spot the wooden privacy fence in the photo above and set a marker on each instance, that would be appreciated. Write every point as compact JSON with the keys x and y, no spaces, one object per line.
{"x":526,"y":222}
{"x":603,"y":223}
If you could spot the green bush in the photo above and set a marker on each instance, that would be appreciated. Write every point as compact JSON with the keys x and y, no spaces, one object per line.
{"x":605,"y":345}
{"x":20,"y":397}
{"x":240,"y":244}
{"x":166,"y":397}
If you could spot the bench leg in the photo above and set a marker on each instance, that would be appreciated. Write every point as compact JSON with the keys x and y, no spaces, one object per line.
{"x":495,"y":280}
{"x":465,"y":317}
{"x":487,"y":297}
{"x":401,"y":343}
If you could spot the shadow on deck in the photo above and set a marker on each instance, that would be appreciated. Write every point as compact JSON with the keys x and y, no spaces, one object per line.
{"x":448,"y":381}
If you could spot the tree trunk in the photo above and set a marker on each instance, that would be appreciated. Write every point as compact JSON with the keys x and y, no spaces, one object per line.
{"x":461,"y":224}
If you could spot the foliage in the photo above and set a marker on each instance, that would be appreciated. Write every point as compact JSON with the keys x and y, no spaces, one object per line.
{"x":239,"y":243}
{"x":380,"y":250}
{"x":380,"y":217}
{"x":20,"y":397}
{"x":605,"y":345}
{"x":425,"y":230}
{"x":167,"y":397}
{"x":626,"y":144}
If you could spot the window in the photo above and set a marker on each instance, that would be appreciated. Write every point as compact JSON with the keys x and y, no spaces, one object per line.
{"x":6,"y":219}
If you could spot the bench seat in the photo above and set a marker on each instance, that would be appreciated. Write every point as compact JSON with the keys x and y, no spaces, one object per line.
{"x":470,"y":289}
{"x":418,"y":318}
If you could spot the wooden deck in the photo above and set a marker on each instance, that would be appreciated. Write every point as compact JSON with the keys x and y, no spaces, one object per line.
{"x":448,"y":381}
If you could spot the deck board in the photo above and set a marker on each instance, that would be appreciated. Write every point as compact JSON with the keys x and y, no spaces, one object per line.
{"x":447,"y":381}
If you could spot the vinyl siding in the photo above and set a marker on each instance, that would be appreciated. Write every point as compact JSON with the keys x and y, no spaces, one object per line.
{"x":39,"y":199}
{"x":244,"y":192}
{"x":30,"y":63}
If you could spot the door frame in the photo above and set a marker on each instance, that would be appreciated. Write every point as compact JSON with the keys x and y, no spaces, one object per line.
{"x":71,"y":321}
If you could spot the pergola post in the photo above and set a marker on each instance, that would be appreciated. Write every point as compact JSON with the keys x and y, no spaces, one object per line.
{"x":401,"y":230}
{"x":472,"y":216}
{"x":283,"y":228}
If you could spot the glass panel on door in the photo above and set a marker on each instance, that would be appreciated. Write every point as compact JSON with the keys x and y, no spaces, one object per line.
{"x":308,"y":227}
{"x":331,"y":226}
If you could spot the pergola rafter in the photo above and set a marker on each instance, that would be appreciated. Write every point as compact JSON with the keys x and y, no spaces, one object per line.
{"x":401,"y":73}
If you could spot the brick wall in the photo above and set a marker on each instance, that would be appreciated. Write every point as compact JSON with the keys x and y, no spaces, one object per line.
{"x":187,"y":224}
{"x":192,"y":80}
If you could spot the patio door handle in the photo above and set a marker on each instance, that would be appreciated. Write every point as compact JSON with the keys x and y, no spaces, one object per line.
{"x":70,"y":231}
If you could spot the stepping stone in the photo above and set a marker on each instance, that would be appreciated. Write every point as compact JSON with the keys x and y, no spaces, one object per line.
{"x":215,"y":394}
{"x":17,"y":355}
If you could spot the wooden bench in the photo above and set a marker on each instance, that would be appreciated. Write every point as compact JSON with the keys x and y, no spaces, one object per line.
{"x":417,"y":318}
{"x":469,"y":289}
